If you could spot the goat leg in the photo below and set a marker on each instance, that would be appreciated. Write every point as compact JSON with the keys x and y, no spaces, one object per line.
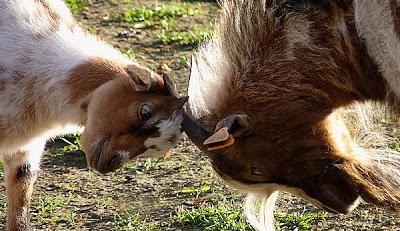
{"x":20,"y":171}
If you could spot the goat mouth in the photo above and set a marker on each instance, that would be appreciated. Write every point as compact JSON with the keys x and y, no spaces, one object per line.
{"x":98,"y":153}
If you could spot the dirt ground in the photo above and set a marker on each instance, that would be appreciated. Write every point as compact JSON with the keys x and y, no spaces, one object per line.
{"x":147,"y":194}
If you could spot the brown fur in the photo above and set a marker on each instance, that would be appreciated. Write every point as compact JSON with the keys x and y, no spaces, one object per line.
{"x":98,"y":71}
{"x":290,"y":97}
{"x":99,"y":85}
{"x":17,"y":78}
{"x":371,"y":186}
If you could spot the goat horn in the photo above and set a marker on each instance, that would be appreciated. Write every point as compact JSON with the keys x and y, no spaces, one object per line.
{"x":195,"y":131}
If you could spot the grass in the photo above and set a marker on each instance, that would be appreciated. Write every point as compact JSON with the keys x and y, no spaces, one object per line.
{"x":75,"y":6}
{"x":158,"y":12}
{"x":73,"y":218}
{"x":47,"y":208}
{"x":107,"y":203}
{"x":164,"y":16}
{"x":192,"y":37}
{"x":73,"y":143}
{"x":287,"y":222}
{"x":226,"y":216}
{"x":207,"y":186}
{"x":396,"y":144}
{"x":223,"y":217}
{"x":184,"y":61}
{"x":132,"y":222}
{"x":1,"y":170}
{"x":202,"y":189}
{"x":128,"y":53}
{"x":142,"y":166}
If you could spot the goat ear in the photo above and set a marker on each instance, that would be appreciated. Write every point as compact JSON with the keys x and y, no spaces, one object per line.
{"x":227,"y":130}
{"x":143,"y":79}
{"x":170,"y":85}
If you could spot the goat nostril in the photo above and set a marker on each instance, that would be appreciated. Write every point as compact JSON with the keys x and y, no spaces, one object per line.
{"x":115,"y":162}
{"x":255,"y":171}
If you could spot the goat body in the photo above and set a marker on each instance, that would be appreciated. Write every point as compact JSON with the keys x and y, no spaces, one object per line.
{"x":55,"y":77}
{"x":281,"y":71}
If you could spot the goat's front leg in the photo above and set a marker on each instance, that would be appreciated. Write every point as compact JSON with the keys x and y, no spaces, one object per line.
{"x":20,"y":170}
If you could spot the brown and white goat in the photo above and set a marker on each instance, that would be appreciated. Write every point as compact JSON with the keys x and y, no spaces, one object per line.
{"x":53,"y":75}
{"x":264,"y":94}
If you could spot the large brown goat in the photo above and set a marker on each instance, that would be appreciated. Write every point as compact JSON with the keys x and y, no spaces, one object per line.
{"x":265,"y":91}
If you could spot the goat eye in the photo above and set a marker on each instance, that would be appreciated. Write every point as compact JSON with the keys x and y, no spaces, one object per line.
{"x":146,"y":112}
{"x":255,"y":171}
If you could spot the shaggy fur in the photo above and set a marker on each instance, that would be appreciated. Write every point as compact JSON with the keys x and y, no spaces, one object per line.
{"x":55,"y":77}
{"x":292,"y":67}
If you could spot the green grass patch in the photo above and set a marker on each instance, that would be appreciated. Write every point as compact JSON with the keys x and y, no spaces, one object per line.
{"x":158,"y":12}
{"x":228,"y":216}
{"x":132,"y":222}
{"x":73,"y":143}
{"x":165,"y":17}
{"x":224,"y":217}
{"x":75,"y":6}
{"x":1,"y":170}
{"x":141,"y":166}
{"x":192,"y":37}
{"x":204,"y":188}
{"x":47,"y":209}
{"x":128,"y":53}
{"x":288,"y":222}
{"x":396,"y":144}
{"x":184,"y":61}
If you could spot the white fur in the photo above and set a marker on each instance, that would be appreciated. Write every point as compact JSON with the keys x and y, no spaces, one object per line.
{"x":44,"y":64}
{"x":208,"y":74}
{"x":167,"y":128}
{"x":375,"y":24}
{"x":259,"y":210}
{"x":124,"y":155}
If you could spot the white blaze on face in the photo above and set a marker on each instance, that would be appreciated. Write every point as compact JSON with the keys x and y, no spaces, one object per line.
{"x":170,"y":134}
